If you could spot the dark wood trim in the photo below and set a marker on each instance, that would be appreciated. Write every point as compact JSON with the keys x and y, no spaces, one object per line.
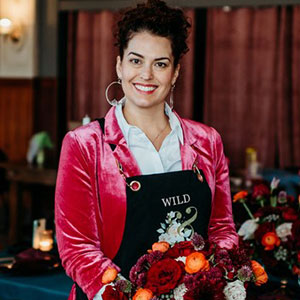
{"x":67,"y":5}
{"x":62,"y":78}
{"x":45,"y":113}
{"x":15,"y":81}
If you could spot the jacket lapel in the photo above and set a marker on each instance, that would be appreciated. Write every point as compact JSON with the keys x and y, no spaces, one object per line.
{"x":114,"y":135}
{"x":187,"y":151}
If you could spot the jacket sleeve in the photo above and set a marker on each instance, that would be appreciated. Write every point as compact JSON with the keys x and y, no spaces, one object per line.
{"x":221,"y":227}
{"x":77,"y":217}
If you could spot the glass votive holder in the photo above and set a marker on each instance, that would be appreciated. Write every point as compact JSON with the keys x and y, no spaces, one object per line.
{"x":46,"y":240}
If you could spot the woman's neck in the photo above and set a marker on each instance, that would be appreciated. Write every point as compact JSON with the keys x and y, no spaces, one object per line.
{"x":151,"y":120}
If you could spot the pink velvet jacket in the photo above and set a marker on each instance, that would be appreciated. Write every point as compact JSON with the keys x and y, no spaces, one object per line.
{"x":90,"y":204}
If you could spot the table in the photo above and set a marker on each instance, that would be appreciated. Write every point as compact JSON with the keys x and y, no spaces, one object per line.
{"x":18,"y":174}
{"x":55,"y":286}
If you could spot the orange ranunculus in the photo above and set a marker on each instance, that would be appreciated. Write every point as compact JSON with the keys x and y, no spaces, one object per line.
{"x":195,"y":262}
{"x":240,"y":195}
{"x":260,"y":274}
{"x":270,"y":240}
{"x":161,"y":246}
{"x":143,"y":294}
{"x":296,"y":270}
{"x":109,"y":275}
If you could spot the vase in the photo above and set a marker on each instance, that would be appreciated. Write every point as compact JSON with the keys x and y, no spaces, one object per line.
{"x":40,"y":158}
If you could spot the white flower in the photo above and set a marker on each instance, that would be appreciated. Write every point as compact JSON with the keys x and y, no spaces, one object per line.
{"x":171,"y":239}
{"x":181,"y":258}
{"x":274,"y":183}
{"x":172,"y":234}
{"x":173,"y":230}
{"x":247,"y":229}
{"x":179,"y":292}
{"x":235,"y":291}
{"x":284,"y":230}
{"x":281,"y":254}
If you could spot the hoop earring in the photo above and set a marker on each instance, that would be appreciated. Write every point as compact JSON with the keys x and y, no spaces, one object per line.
{"x":171,"y":97}
{"x":113,"y":102}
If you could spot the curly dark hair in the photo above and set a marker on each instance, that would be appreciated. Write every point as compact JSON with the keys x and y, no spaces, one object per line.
{"x":157,"y":18}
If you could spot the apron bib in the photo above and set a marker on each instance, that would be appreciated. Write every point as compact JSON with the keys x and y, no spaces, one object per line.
{"x":168,"y":207}
{"x":161,"y":207}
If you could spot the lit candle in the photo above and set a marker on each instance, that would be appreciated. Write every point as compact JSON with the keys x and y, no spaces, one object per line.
{"x":46,"y":240}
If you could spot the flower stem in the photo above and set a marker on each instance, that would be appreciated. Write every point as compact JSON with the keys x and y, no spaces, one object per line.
{"x":248,"y":211}
{"x":273,"y":201}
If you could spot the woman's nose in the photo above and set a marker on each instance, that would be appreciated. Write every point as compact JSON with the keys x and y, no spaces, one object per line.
{"x":146,"y":72}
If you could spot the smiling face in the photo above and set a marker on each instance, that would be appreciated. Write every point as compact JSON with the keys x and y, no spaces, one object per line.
{"x":147,"y":70}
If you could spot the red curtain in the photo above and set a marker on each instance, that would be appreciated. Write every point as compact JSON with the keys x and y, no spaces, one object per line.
{"x":252,"y":83}
{"x":91,"y":66}
{"x":90,"y":63}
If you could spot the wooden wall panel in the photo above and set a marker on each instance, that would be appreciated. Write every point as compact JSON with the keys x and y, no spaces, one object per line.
{"x":45,"y":113}
{"x":16,"y":117}
{"x":27,"y":106}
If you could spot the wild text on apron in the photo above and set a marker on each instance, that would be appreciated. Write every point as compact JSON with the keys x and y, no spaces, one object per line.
{"x":176,"y":200}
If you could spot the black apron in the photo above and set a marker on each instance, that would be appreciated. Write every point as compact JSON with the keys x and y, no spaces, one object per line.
{"x":160,"y":205}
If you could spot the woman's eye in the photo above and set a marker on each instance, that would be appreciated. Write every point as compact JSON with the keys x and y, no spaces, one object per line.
{"x":161,"y":64}
{"x":135,"y":61}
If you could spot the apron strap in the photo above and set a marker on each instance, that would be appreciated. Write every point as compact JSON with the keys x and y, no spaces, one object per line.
{"x":101,"y":123}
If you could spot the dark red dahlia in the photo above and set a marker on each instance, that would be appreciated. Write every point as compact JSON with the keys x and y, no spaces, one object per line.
{"x":260,"y":191}
{"x":263,"y":229}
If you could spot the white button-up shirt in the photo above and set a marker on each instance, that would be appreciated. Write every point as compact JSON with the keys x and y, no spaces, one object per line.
{"x":151,"y":161}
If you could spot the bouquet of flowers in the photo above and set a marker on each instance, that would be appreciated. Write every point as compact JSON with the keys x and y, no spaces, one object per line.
{"x":273,"y":231}
{"x":187,"y":270}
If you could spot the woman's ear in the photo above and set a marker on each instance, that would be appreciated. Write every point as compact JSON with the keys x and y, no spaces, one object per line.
{"x":119,"y":67}
{"x":176,"y":74}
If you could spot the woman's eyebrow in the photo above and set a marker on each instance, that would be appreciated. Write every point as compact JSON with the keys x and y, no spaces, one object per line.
{"x":141,"y":56}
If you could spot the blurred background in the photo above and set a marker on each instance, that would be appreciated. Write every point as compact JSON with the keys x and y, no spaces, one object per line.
{"x":241,"y":76}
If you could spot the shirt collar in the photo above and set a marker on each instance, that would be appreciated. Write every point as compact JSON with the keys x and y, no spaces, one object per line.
{"x":126,"y":128}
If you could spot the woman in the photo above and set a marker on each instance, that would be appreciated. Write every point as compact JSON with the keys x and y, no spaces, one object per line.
{"x":121,"y":179}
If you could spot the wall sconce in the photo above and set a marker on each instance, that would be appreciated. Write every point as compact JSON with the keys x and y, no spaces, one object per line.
{"x":11,"y":30}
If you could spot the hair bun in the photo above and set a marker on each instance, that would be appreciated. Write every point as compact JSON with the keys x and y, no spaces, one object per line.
{"x":156,"y":3}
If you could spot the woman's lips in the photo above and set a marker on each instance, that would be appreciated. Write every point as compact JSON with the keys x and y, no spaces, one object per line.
{"x":145,"y":88}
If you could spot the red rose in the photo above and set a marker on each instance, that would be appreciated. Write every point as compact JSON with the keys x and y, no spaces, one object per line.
{"x":110,"y":293}
{"x":181,"y":249}
{"x":289,"y":214}
{"x":260,"y":191}
{"x":164,"y":275}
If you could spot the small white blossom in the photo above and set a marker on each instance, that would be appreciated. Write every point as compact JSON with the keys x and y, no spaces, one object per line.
{"x":271,"y":218}
{"x":247,"y":229}
{"x":181,"y":258}
{"x":284,"y":230}
{"x":274,"y":183}
{"x":281,"y":254}
{"x":179,"y":292}
{"x":235,"y":291}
